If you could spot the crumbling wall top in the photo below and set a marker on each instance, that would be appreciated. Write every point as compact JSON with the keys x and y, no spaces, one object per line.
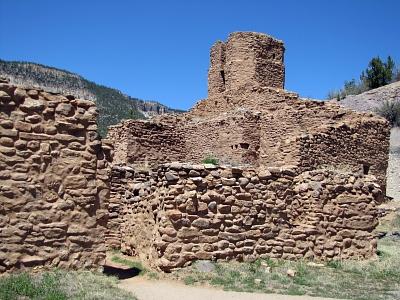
{"x":246,"y":59}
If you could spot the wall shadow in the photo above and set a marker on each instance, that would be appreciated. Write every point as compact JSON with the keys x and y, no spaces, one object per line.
{"x":121,"y":273}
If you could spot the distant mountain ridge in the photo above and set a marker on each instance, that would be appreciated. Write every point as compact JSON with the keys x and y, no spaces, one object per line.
{"x":113,"y":105}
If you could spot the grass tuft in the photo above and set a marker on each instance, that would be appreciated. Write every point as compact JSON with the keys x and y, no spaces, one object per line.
{"x":60,"y":285}
{"x":377,"y":279}
{"x":210,"y":160}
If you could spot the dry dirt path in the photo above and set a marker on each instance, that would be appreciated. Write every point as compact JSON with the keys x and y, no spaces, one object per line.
{"x":168,"y":290}
{"x":393,"y":171}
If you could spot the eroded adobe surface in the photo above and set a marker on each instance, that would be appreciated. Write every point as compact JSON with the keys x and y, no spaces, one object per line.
{"x":325,"y":165}
{"x":54,"y":181}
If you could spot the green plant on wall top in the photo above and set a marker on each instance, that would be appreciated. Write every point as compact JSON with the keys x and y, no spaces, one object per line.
{"x":210,"y":160}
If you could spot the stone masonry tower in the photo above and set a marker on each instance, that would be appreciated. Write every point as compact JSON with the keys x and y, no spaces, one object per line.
{"x":246,"y":59}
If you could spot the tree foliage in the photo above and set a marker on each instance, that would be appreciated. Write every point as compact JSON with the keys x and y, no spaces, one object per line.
{"x":377,"y":74}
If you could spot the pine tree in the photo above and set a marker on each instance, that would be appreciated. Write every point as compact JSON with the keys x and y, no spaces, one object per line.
{"x":378,"y":73}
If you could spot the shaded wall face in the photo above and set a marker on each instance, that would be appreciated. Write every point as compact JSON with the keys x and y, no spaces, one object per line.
{"x":53,"y":181}
{"x":231,"y":140}
{"x":216,"y":72}
{"x":246,"y":59}
{"x":361,"y":148}
{"x":147,"y":143}
{"x":222,"y":213}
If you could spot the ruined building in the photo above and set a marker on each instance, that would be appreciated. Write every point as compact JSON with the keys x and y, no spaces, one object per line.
{"x":248,"y":119}
{"x":297,"y":178}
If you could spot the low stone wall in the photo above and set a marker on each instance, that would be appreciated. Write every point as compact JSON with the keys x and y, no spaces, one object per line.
{"x":179,"y":213}
{"x":54,"y":181}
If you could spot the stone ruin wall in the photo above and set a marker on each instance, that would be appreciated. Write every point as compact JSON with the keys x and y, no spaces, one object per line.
{"x":310,"y":192}
{"x":54,"y":181}
{"x":246,"y":59}
{"x":360,"y":146}
{"x":233,"y":139}
{"x":146,"y":143}
{"x":178,"y":213}
{"x":307,"y":134}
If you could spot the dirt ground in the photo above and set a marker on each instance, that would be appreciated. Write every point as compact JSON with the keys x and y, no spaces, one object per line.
{"x":393,"y":172}
{"x":145,"y":289}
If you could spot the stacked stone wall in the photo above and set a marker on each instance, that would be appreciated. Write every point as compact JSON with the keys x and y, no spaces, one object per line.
{"x":54,"y":181}
{"x":232,"y":139}
{"x":246,"y":59}
{"x":275,"y":132}
{"x":194,"y":212}
{"x":359,"y":147}
{"x":147,"y":143}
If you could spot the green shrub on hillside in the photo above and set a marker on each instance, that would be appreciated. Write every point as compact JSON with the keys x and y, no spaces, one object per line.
{"x":391,"y":111}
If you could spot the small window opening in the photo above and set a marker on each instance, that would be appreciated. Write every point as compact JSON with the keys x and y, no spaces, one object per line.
{"x":273,"y":56}
{"x":244,"y":145}
{"x":365,"y":169}
{"x":223,"y":76}
{"x":136,"y":193}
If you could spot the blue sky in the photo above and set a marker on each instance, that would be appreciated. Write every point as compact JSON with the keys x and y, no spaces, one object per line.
{"x":159,"y":50}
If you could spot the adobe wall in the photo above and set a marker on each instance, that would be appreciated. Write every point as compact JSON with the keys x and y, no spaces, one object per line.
{"x":54,"y":181}
{"x":336,"y":136}
{"x":232,"y":138}
{"x":271,"y":128}
{"x":178,"y":213}
{"x":146,"y":142}
{"x":358,"y":146}
{"x":246,"y":59}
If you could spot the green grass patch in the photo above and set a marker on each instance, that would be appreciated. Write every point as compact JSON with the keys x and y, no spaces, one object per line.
{"x":44,"y":286}
{"x":377,"y":279}
{"x":60,"y":285}
{"x":210,"y":160}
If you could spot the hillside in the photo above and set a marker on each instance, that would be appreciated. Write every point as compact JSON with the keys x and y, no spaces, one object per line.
{"x":112,"y":104}
{"x":370,"y":100}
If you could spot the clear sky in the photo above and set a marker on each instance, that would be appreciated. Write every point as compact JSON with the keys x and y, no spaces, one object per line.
{"x":159,"y":50}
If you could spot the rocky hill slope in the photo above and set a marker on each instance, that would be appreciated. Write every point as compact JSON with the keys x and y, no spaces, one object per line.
{"x":112,"y":104}
{"x":370,"y":100}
